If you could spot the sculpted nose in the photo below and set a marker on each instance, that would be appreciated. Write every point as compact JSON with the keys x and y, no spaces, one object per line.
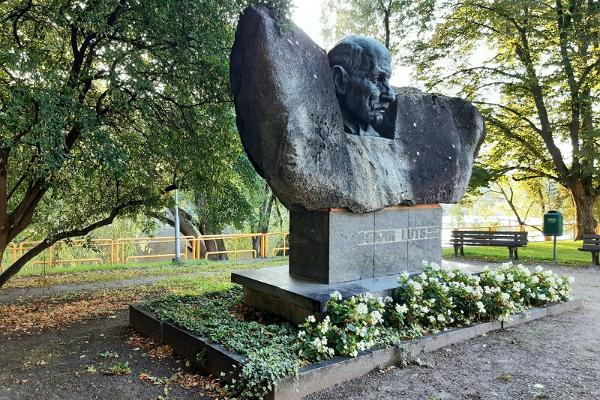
{"x":388,"y":94}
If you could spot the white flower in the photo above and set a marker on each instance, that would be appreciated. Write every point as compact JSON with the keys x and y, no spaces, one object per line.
{"x":481,"y":307}
{"x":541,"y":296}
{"x":435,"y":266}
{"x":539,"y":268}
{"x":388,"y":299}
{"x":301,"y":334}
{"x":401,"y":309}
{"x":311,"y":319}
{"x":354,"y":353}
{"x":431,"y":319}
{"x":376,"y":317}
{"x":362,"y":309}
{"x":425,"y":309}
{"x":336,"y":296}
{"x":441,"y":318}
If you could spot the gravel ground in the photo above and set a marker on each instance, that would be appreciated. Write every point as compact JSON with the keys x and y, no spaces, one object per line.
{"x":553,"y":358}
{"x":52,"y":365}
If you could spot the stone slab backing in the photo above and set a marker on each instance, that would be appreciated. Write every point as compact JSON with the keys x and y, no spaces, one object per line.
{"x":336,"y":246}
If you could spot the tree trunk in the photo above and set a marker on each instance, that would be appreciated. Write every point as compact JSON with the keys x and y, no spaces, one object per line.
{"x":211,"y":245}
{"x":584,"y":209}
{"x":185,"y":225}
{"x":264,"y":218}
{"x":386,"y":25}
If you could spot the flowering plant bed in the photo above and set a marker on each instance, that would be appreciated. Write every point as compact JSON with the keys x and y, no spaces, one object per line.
{"x":269,"y":356}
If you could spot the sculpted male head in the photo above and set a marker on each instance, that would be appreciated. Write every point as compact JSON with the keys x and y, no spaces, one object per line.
{"x":361,"y":69}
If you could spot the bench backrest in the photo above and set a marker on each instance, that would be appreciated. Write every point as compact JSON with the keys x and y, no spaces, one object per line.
{"x":489,"y":237}
{"x":591,"y":242}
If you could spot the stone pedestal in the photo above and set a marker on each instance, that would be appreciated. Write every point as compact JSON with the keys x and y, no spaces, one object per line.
{"x":351,"y":253}
{"x":339,"y":246}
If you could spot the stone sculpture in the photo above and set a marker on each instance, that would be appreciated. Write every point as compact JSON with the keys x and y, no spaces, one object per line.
{"x":361,"y":69}
{"x":292,"y":128}
{"x":362,"y":166}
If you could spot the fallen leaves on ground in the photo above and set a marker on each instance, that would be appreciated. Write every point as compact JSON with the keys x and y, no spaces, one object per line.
{"x":38,"y":315}
{"x":207,"y":385}
{"x":149,"y":347}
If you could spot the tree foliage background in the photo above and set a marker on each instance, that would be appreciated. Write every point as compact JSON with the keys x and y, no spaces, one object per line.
{"x":106,"y":106}
{"x":532,"y":67}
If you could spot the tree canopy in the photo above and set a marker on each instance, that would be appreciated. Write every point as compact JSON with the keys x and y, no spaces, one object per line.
{"x":106,"y":106}
{"x":533,"y":68}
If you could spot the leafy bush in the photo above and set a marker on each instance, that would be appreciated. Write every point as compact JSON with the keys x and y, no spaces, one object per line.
{"x":349,"y":327}
{"x":429,"y":302}
{"x":271,"y":350}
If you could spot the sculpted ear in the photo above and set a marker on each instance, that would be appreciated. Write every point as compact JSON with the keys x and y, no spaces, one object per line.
{"x":340,"y":79}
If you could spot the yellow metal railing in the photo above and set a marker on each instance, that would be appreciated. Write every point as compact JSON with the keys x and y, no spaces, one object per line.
{"x":126,"y":250}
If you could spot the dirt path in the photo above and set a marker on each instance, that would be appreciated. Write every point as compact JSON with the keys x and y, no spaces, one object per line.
{"x":553,"y":358}
{"x":52,"y":365}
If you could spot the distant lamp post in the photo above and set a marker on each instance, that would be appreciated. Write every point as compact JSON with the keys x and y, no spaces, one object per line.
{"x":177,"y":259}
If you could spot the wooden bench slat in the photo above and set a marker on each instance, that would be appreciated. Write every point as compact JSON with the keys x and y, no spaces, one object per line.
{"x":591,"y":237}
{"x":589,"y":248}
{"x":491,"y":232}
{"x":489,"y":237}
{"x":511,"y":239}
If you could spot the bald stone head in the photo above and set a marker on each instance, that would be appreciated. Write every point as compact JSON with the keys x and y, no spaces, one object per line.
{"x":361,"y":69}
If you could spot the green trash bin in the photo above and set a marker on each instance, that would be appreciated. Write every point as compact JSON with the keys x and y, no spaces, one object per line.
{"x":553,"y":223}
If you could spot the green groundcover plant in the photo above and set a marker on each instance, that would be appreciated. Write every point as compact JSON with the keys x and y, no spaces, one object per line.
{"x":433,"y":301}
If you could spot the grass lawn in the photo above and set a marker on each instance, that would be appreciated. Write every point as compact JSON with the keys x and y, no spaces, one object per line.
{"x":567,"y":253}
{"x":60,"y":275}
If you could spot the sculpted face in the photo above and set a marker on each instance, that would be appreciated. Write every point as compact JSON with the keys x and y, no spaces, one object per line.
{"x":361,"y":69}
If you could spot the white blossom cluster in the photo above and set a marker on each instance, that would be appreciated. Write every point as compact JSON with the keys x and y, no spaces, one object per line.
{"x":429,"y":302}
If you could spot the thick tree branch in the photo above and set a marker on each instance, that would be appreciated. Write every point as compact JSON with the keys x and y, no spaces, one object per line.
{"x":563,"y":24}
{"x":3,"y":190}
{"x":513,"y":111}
{"x":524,"y":55}
{"x":474,"y":70}
{"x":538,"y":173}
{"x":46,"y":243}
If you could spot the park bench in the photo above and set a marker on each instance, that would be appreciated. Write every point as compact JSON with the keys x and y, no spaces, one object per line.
{"x":512,"y":240}
{"x":591,"y":243}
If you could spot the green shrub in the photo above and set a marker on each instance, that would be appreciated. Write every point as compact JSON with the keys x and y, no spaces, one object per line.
{"x":429,"y":302}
